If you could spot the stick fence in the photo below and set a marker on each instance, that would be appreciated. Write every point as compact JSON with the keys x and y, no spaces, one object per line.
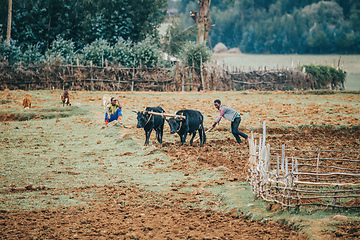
{"x":295,"y":178}
{"x":178,"y":78}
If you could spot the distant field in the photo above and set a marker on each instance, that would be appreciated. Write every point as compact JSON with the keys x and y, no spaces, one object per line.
{"x":254,"y":61}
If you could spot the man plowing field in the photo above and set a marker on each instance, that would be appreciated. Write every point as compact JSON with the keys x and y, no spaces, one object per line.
{"x":231,"y":115}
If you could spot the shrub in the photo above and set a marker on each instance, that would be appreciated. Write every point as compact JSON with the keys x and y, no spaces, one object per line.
{"x":193,"y":53}
{"x":31,"y":55}
{"x":61,"y":49}
{"x":97,"y":52}
{"x":147,"y":53}
{"x":9,"y":52}
{"x":123,"y":53}
{"x":326,"y":76}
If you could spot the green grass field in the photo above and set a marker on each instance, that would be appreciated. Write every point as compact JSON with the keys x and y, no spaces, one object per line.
{"x":351,"y":63}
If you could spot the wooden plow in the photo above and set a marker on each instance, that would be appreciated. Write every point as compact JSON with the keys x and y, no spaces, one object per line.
{"x":161,"y":114}
{"x":205,"y":133}
{"x":316,"y":177}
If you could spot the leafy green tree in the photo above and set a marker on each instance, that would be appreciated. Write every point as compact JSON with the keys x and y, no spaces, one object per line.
{"x":345,"y":38}
{"x":355,"y":15}
{"x":40,"y":21}
{"x":283,"y":26}
{"x":318,"y":41}
{"x":176,"y":36}
{"x":83,"y":21}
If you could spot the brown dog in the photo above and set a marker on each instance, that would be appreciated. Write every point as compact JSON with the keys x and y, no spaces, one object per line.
{"x":65,"y":98}
{"x":27,"y":101}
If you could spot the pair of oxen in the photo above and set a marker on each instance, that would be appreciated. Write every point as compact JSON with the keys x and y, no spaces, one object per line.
{"x":184,"y":122}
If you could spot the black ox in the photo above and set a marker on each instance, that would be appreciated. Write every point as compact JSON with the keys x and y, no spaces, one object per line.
{"x":193,"y":122}
{"x":149,"y":122}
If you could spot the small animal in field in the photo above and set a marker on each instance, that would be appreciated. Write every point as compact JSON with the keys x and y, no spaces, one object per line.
{"x":151,"y":122}
{"x":106,"y":100}
{"x":65,"y":98}
{"x":26,"y":101}
{"x":193,"y":122}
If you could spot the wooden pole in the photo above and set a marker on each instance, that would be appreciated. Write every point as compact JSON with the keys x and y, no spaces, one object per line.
{"x":277,"y":165}
{"x":164,"y":114}
{"x":133,"y":76}
{"x":201,"y":74}
{"x":193,"y":74}
{"x":277,"y":175}
{"x":205,"y":133}
{"x":296,"y":169}
{"x":264,"y":137}
{"x":8,"y":34}
{"x":334,"y":201}
{"x":91,"y":76}
{"x":282,"y":157}
{"x":267,"y":158}
{"x":317,"y":165}
{"x":183,"y":81}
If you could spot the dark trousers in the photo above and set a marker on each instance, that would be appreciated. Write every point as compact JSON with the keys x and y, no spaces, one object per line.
{"x":235,"y":131}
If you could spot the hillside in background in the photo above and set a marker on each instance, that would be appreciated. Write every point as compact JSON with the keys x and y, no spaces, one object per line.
{"x":281,"y":26}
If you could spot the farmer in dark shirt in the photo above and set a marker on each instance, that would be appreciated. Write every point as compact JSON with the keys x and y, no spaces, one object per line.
{"x":231,"y":115}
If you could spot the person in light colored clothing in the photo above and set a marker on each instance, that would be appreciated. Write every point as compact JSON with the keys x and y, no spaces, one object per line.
{"x":231,"y":115}
{"x":113,"y":111}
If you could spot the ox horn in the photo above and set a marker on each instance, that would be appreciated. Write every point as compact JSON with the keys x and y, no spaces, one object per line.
{"x":179,"y":116}
{"x":144,"y":111}
{"x":135,"y":111}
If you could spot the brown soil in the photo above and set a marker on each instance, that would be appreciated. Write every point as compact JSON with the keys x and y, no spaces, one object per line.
{"x":123,"y":214}
{"x":215,"y":155}
{"x":128,"y":212}
{"x":231,"y":157}
{"x":347,"y":231}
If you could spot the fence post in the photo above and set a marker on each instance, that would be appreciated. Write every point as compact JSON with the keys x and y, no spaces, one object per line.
{"x":260,"y":151}
{"x":334,"y":201}
{"x":264,"y":138}
{"x":317,"y":165}
{"x":282,"y":156}
{"x":296,"y":169}
{"x":133,"y":76}
{"x":91,"y":76}
{"x":277,"y":175}
{"x":183,"y":81}
{"x":201,"y":74}
{"x":192,"y":76}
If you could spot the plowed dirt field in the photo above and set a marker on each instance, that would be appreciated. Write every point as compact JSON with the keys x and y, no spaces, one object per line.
{"x":65,"y":176}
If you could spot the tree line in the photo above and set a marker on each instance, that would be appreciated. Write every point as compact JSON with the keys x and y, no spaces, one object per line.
{"x":40,"y":22}
{"x":282,"y":26}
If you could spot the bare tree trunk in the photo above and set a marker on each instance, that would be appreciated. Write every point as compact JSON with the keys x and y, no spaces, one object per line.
{"x":8,"y":35}
{"x":203,"y":21}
